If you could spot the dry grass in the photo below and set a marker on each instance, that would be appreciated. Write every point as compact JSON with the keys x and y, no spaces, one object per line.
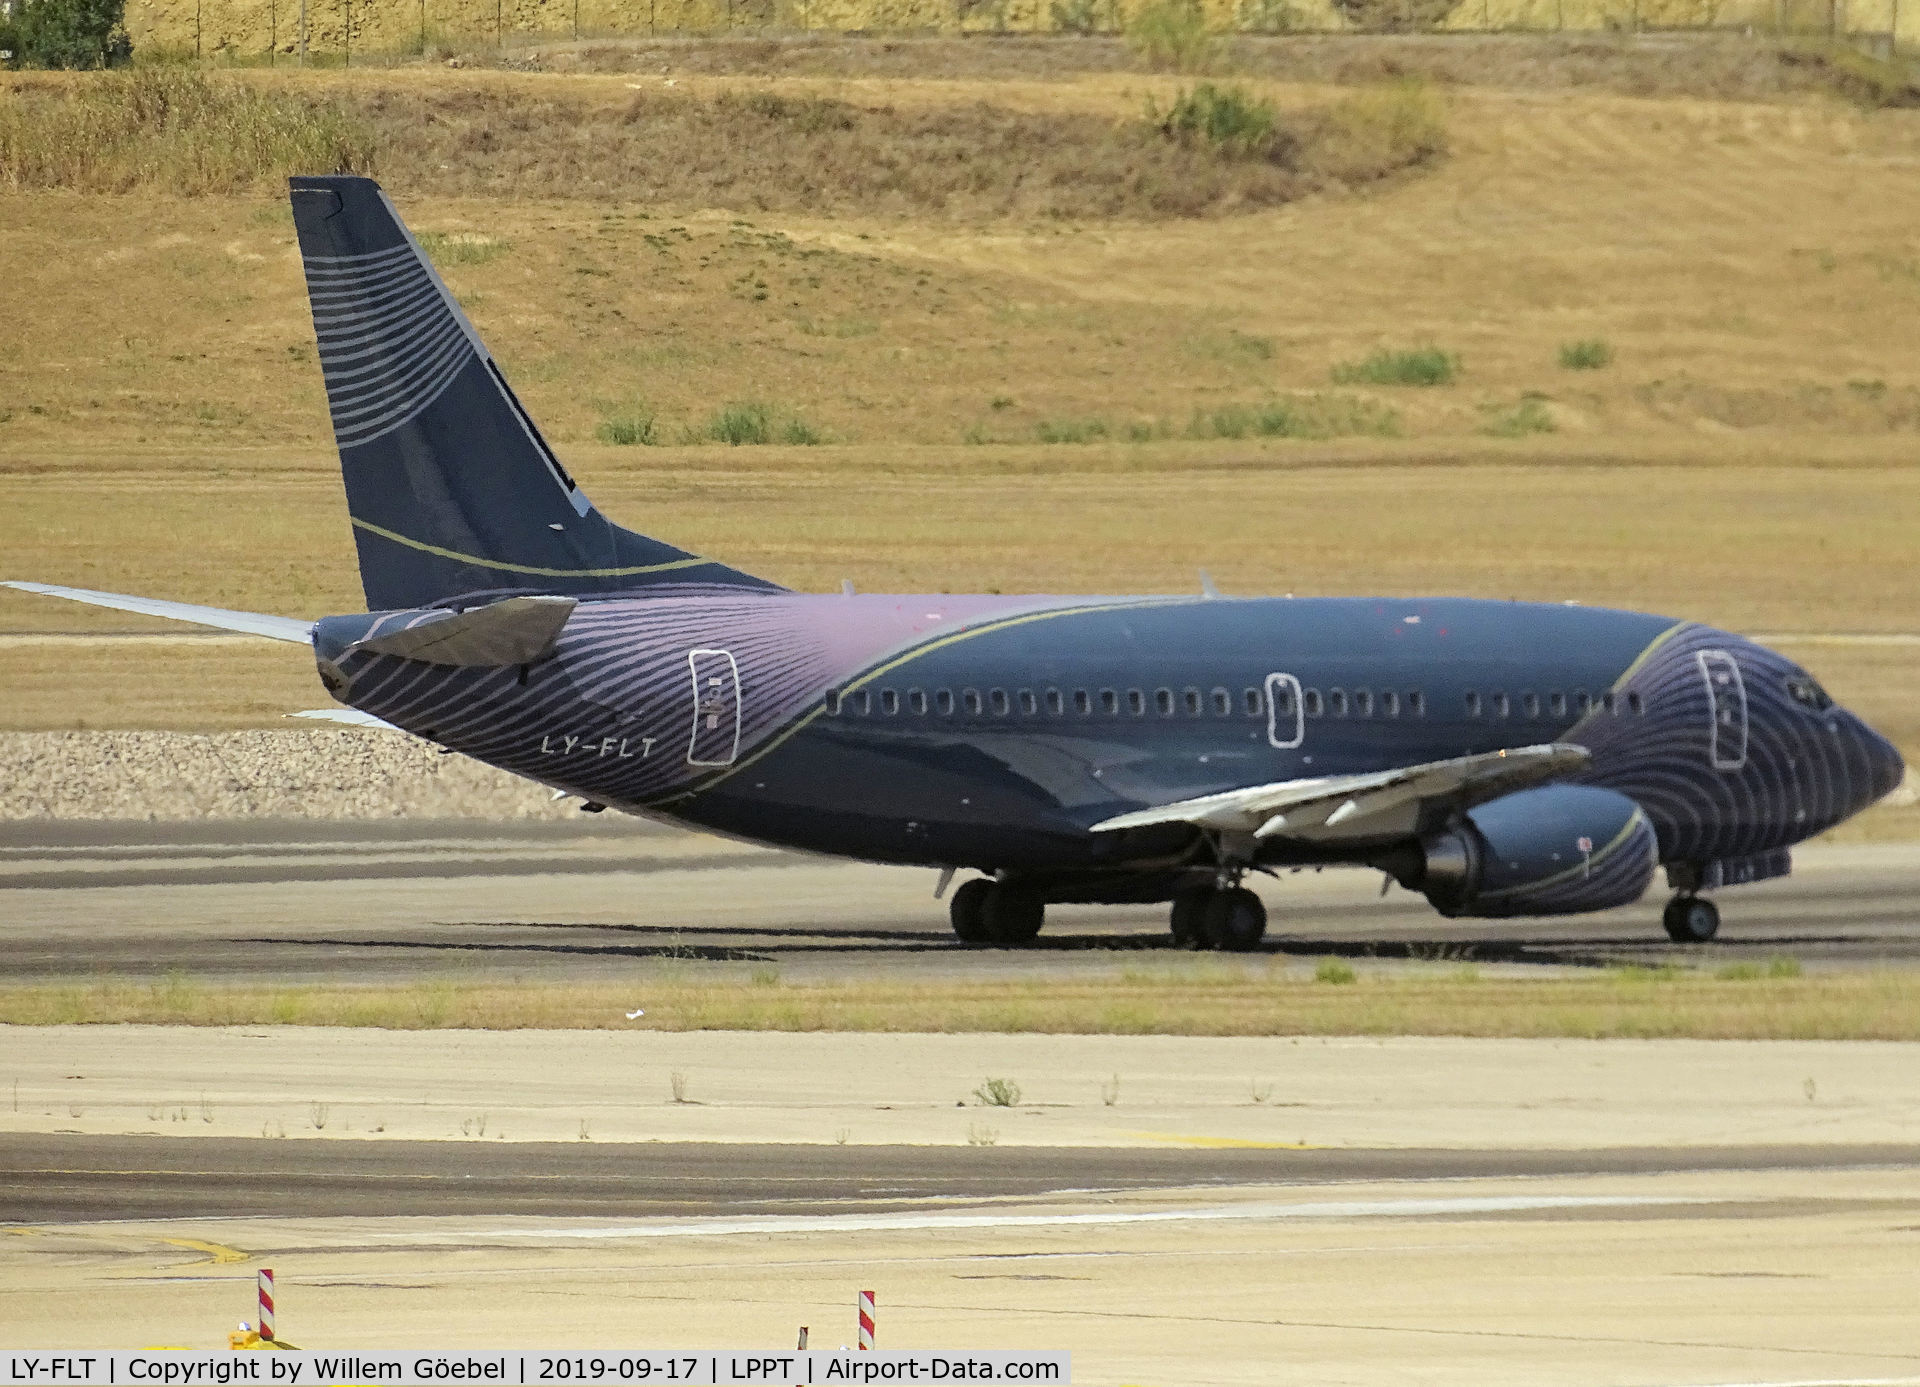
{"x":1617,"y":1004}
{"x":750,"y":150}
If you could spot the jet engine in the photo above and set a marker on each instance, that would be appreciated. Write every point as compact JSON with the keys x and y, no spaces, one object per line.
{"x":1555,"y":850}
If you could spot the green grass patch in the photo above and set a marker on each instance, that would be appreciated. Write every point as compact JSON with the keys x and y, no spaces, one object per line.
{"x":1425,"y":366}
{"x":460,"y":247}
{"x":1588,"y":354}
{"x":1071,"y":430}
{"x":749,"y":423}
{"x":1530,"y":416}
{"x":1310,"y":416}
{"x":629,"y":428}
{"x":1229,"y":120}
{"x":1335,"y":971}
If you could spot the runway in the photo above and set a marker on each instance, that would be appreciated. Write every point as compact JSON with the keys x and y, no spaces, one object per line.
{"x":68,"y":1179}
{"x":354,"y":902}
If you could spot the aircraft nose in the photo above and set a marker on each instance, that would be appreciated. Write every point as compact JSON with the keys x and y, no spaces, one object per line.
{"x":1885,"y":766}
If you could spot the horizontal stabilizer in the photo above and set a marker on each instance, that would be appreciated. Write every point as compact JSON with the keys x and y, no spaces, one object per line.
{"x":279,"y":628}
{"x":513,"y":631}
{"x":1369,"y":805}
{"x":351,"y":717}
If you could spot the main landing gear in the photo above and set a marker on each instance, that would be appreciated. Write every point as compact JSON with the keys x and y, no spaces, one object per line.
{"x":996,"y":913}
{"x":1691,"y":919}
{"x":1228,"y":918}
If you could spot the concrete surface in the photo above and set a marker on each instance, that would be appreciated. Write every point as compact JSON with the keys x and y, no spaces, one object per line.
{"x":879,"y":1089}
{"x":288,"y":902}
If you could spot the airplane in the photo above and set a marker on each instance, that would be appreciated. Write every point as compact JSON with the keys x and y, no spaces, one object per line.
{"x":1503,"y":759}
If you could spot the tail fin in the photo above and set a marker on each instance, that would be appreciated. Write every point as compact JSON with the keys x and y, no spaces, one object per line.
{"x":452,"y":490}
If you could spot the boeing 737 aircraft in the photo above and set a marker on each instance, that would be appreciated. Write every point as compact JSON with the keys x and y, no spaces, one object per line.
{"x":1504,"y":759}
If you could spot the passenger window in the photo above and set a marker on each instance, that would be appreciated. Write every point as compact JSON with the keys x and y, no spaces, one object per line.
{"x":1109,"y":702}
{"x":863,"y":703}
{"x":889,"y":702}
{"x":943,"y":700}
{"x":1530,"y":702}
{"x":1363,"y":703}
{"x":997,"y":700}
{"x":833,"y":703}
{"x":1081,"y":703}
{"x":1251,"y":698}
{"x":1054,"y":703}
{"x":1473,"y":705}
{"x":1558,"y":703}
{"x":1193,"y":703}
{"x":1417,"y":703}
{"x":1222,"y":703}
{"x":1163,"y":700}
{"x":1282,"y":698}
{"x":1310,"y":702}
{"x":1610,"y":701}
{"x":917,"y":700}
{"x":1502,"y":706}
{"x":1028,"y":703}
{"x":1581,"y":702}
{"x":970,"y":700}
{"x":1635,"y":704}
{"x":1337,"y":702}
{"x":1389,"y":704}
{"x":1136,"y":702}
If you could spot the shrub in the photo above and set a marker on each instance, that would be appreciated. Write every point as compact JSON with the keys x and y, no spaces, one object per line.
{"x":1530,"y":416}
{"x":998,"y":1093}
{"x":1388,"y":366}
{"x":1334,"y":971}
{"x":1070,"y":430}
{"x":66,"y":33}
{"x":628,"y":428}
{"x":1171,"y":35}
{"x":1394,"y":16}
{"x":1229,"y":120}
{"x":748,"y":422}
{"x":1377,"y":132}
{"x":460,"y":247}
{"x":1075,"y":16}
{"x":1588,"y":354}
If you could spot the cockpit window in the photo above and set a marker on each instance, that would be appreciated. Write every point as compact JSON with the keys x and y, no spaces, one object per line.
{"x":1806,"y":691}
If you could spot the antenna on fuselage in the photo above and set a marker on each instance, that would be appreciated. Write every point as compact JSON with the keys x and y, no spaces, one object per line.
{"x":1207,"y":589}
{"x":846,"y":587}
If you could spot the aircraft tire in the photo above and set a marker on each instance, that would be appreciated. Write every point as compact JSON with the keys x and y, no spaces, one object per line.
{"x":1187,"y":918}
{"x":1013,"y":917}
{"x":968,"y":911}
{"x":1235,"y":920}
{"x":1691,"y":919}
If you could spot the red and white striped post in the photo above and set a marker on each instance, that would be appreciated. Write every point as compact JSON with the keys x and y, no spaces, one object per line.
{"x":266,"y":1303}
{"x":866,"y":1319}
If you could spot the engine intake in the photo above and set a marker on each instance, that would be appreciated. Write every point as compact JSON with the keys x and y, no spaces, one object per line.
{"x":1556,"y":850}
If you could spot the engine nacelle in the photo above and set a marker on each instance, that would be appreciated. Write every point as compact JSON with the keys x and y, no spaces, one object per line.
{"x":1557,"y":850}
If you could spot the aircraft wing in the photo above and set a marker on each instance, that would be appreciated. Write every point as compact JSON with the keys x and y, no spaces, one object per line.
{"x":1370,"y":805}
{"x":351,"y":717}
{"x":279,"y":628}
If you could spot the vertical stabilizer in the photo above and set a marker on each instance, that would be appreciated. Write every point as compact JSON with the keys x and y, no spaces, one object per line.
{"x":451,"y":487}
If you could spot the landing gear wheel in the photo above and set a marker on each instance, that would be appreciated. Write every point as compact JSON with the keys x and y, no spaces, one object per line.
{"x":968,"y":910}
{"x":1013,"y":916}
{"x":1188,"y":918}
{"x":1234,"y":921}
{"x":1691,"y":919}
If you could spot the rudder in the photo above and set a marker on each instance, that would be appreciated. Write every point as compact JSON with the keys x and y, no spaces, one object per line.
{"x":451,"y":488}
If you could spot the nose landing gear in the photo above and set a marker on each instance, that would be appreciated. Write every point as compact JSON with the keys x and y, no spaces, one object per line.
{"x":1691,"y":919}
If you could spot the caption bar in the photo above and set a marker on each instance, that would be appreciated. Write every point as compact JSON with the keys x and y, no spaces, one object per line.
{"x":288,"y":1368}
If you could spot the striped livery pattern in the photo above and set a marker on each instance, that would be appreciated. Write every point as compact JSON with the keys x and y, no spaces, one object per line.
{"x":1731,"y":773}
{"x":390,"y":342}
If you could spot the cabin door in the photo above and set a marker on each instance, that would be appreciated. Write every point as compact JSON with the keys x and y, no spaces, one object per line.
{"x":716,"y":708}
{"x":1727,"y":706}
{"x":1286,"y":717}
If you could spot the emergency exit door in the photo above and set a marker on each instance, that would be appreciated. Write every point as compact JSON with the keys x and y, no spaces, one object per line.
{"x":716,"y":708}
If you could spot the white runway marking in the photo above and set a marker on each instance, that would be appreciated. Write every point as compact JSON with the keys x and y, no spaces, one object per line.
{"x":865,"y":1223}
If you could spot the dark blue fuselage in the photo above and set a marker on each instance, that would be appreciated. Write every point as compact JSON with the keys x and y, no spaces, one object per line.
{"x":994,"y":732}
